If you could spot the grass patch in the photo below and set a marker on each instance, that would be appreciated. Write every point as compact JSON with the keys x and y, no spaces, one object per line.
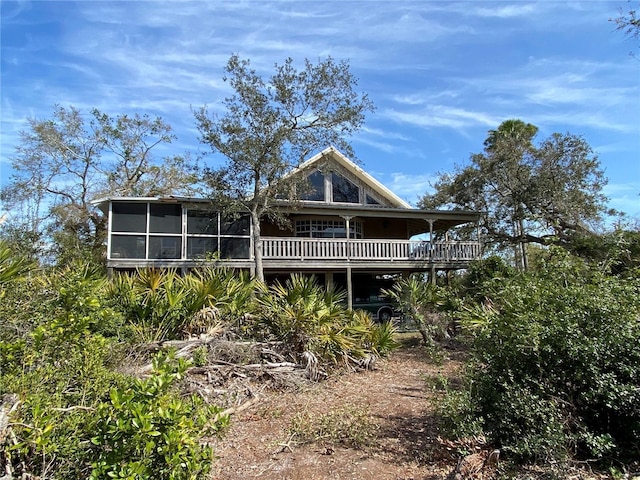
{"x":348,"y":425}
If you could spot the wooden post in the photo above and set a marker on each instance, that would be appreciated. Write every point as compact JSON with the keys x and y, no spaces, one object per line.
{"x":349,"y":290}
{"x":347,"y":219}
{"x":328,"y":280}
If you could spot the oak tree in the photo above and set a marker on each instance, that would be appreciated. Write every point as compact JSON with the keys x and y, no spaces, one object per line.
{"x":546,"y":193}
{"x":64,"y":162}
{"x":269,"y":125}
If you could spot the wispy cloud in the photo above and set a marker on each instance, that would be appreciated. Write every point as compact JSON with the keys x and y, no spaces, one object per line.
{"x":442,"y":116}
{"x":504,"y":11}
{"x":410,"y":187}
{"x":440,"y":73}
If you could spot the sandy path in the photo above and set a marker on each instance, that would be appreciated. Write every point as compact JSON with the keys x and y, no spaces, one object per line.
{"x":399,"y":401}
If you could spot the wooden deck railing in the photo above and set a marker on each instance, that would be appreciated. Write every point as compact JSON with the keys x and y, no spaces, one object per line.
{"x":297,"y":248}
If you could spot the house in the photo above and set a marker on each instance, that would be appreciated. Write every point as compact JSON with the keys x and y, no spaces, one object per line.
{"x":386,"y":236}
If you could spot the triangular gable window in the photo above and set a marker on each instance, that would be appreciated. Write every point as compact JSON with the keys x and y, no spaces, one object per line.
{"x":371,"y":201}
{"x":344,"y":191}
{"x":316,"y":188}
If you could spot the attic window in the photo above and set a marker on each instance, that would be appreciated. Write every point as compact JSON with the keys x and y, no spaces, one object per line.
{"x":344,"y":191}
{"x":371,"y":201}
{"x":315,"y":190}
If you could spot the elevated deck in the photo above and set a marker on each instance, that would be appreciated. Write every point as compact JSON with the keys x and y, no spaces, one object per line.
{"x":402,"y":254}
{"x":319,"y":253}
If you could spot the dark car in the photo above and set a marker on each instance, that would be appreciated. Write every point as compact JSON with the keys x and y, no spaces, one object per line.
{"x":379,"y":306}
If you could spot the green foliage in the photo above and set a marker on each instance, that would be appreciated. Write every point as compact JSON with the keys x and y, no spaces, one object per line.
{"x":16,"y":290}
{"x":52,"y":308}
{"x":556,"y":368}
{"x":618,"y":251}
{"x":79,"y":419}
{"x":64,"y":162}
{"x":12,"y":267}
{"x":161,"y":304}
{"x":300,"y":312}
{"x":483,"y":275}
{"x":231,"y":292}
{"x":531,"y":193}
{"x":58,"y":368}
{"x":58,"y":389}
{"x":458,"y":416}
{"x":200,"y":356}
{"x":270,"y":126}
{"x":381,"y":337}
{"x":148,"y":432}
{"x":78,"y":292}
{"x":420,"y":301}
{"x":21,"y":239}
{"x":309,"y":318}
{"x":155,"y":302}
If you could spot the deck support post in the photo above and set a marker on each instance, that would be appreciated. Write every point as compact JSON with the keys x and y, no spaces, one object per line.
{"x":349,"y":289}
{"x":328,"y":280}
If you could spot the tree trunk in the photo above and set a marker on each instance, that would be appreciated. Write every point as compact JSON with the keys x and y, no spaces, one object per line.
{"x":257,"y":245}
{"x":523,"y":247}
{"x":516,"y":245}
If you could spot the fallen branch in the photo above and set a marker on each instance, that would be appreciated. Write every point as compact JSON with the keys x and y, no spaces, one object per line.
{"x":237,"y":409}
{"x":180,"y":344}
{"x":74,"y":407}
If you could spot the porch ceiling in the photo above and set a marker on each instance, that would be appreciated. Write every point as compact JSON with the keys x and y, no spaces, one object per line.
{"x":417,"y":220}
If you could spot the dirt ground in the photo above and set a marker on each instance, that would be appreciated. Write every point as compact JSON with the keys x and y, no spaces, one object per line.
{"x":393,"y":404}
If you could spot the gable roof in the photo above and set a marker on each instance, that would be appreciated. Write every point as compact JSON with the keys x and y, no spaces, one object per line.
{"x":333,"y":155}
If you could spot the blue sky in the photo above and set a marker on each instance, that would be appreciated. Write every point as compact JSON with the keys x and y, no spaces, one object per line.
{"x":441,"y":74}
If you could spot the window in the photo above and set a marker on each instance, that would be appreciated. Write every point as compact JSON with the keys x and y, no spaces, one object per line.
{"x":370,"y":200}
{"x":328,"y":229}
{"x":155,"y":231}
{"x":234,"y":247}
{"x":165,"y":248}
{"x":235,"y":225}
{"x":315,"y":190}
{"x":203,"y":222}
{"x":165,"y":218}
{"x":129,"y":217}
{"x":128,"y":246}
{"x":199,"y":247}
{"x":230,"y":239}
{"x":344,"y":191}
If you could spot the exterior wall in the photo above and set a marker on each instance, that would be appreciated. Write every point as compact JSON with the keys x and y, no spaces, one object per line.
{"x":393,"y":228}
{"x":268,"y":229}
{"x":372,"y":228}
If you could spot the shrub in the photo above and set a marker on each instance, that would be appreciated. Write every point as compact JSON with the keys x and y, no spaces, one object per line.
{"x":306,"y":317}
{"x":556,"y":369}
{"x":58,"y":395}
{"x":420,"y":301}
{"x":147,"y":431}
{"x":154,"y":301}
{"x":161,"y":304}
{"x":483,"y":275}
{"x":58,"y":370}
